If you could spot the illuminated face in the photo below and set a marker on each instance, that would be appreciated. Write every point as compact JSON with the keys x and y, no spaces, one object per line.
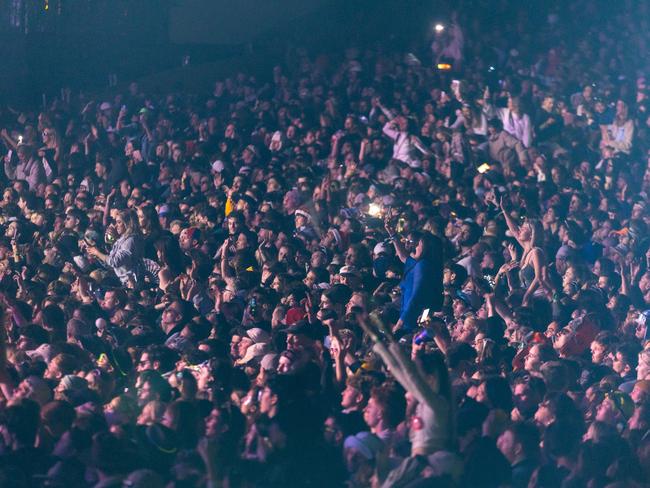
{"x":185,"y":239}
{"x":373,"y":413}
{"x":120,"y":227}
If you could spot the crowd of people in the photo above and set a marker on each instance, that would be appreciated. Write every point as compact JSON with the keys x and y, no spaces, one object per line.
{"x":373,"y":268}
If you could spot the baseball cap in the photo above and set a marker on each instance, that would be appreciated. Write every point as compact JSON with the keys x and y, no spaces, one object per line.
{"x":258,"y":335}
{"x":302,"y":327}
{"x":349,"y":270}
{"x":255,"y":351}
{"x":365,"y":443}
{"x":623,"y":402}
{"x":73,"y":383}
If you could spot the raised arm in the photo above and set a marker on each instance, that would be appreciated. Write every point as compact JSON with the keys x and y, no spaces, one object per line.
{"x":391,"y":130}
{"x":401,"y":251}
{"x":513,"y":226}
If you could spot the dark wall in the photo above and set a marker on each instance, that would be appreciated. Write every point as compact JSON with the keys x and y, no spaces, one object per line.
{"x":232,"y":22}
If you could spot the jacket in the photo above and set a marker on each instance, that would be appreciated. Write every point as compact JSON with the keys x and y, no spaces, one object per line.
{"x":31,"y":171}
{"x":127,"y":259}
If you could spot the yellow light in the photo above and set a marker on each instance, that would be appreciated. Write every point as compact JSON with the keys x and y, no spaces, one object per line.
{"x":47,"y":4}
{"x":484,"y":168}
{"x":374,"y":210}
{"x":444,"y":66}
{"x":439,"y":27}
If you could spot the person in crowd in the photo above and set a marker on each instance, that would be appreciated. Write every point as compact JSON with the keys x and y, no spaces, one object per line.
{"x":247,"y":287}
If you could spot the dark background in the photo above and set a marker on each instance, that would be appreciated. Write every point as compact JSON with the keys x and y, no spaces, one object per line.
{"x":48,"y":44}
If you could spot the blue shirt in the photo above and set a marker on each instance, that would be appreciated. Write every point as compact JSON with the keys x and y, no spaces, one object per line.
{"x":421,"y":288}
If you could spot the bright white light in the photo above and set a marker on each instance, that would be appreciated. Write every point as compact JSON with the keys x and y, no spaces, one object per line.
{"x":439,"y":27}
{"x":374,"y":210}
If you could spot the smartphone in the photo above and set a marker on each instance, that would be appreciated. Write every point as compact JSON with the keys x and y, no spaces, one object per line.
{"x":484,"y":168}
{"x":401,"y":223}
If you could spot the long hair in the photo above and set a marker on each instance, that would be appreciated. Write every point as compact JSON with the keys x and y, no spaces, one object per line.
{"x":130,"y":223}
{"x":151,"y":222}
{"x":432,"y":245}
{"x":171,"y":255}
{"x":537,"y":232}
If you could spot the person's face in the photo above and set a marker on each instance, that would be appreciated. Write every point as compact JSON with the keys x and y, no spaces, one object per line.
{"x":310,"y":279}
{"x":318,"y":260}
{"x":606,"y":412}
{"x":619,"y":364}
{"x":548,"y":104}
{"x":332,"y":432}
{"x":418,"y":251}
{"x":507,"y":446}
{"x":144,"y":363}
{"x":242,"y":242}
{"x":213,"y":423}
{"x":185,"y":240}
{"x":300,"y":221}
{"x":148,"y":415}
{"x":283,"y":254}
{"x":267,"y":400}
{"x":109,"y":302}
{"x":11,"y":230}
{"x":567,"y":280}
{"x":171,"y":314}
{"x":23,"y":155}
{"x":597,"y":352}
{"x":638,"y":395}
{"x":276,"y":284}
{"x":52,"y":371}
{"x":119,"y":225}
{"x":233,"y":226}
{"x":297,"y":342}
{"x":459,"y":308}
{"x":145,"y":394}
{"x":285,"y":365}
{"x":533,"y":359}
{"x":544,"y":416}
{"x":70,"y":222}
{"x":575,"y":204}
{"x":524,"y":398}
{"x":351,"y":397}
{"x":372,"y":413}
{"x":243,"y":345}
